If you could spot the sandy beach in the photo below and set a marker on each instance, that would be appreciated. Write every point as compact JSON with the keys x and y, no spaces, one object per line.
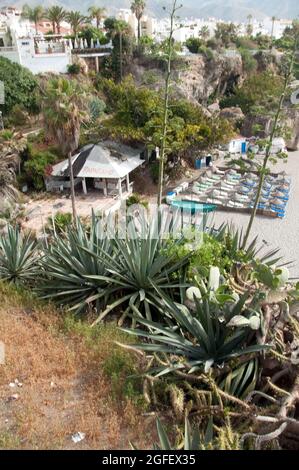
{"x":283,"y":233}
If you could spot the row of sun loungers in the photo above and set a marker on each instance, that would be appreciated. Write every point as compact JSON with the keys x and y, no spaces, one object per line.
{"x":234,"y":190}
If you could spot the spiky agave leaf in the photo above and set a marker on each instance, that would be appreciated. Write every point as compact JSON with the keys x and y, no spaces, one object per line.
{"x":233,"y":239}
{"x":197,"y":340}
{"x":241,"y":380}
{"x":19,"y":257}
{"x":138,"y":266}
{"x":192,"y":438}
{"x":68,"y":262}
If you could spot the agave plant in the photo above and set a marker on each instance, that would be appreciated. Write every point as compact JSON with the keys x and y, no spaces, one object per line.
{"x":69,"y":261}
{"x":11,"y":145}
{"x":241,"y":380}
{"x":233,"y":240}
{"x":212,"y":334}
{"x":227,"y":438}
{"x":192,"y":438}
{"x":139,"y":265}
{"x":18,"y":257}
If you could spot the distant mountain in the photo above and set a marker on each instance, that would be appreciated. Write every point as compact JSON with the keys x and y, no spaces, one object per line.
{"x":235,"y":10}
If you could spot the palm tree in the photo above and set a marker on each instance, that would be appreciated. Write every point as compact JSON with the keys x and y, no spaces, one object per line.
{"x":138,"y":7}
{"x":11,"y":145}
{"x":97,"y":13}
{"x":33,"y":14}
{"x":249,"y":27}
{"x":204,"y":33}
{"x":120,"y":28}
{"x":63,"y":106}
{"x":56,"y":15}
{"x":76,"y":20}
{"x":273,"y":19}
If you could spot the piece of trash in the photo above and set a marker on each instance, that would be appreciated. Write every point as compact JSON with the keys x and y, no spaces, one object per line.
{"x":52,"y":384}
{"x":78,"y":437}
{"x":16,"y":383}
{"x":15,"y":396}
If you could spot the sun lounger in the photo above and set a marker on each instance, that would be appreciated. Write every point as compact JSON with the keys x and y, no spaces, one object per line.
{"x":218,"y":172}
{"x":234,"y":204}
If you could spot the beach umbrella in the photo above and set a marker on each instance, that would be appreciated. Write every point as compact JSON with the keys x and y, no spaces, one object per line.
{"x":92,"y":43}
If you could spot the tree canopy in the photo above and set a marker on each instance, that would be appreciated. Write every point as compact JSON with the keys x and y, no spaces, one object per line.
{"x":137,"y":115}
{"x":20,"y":86}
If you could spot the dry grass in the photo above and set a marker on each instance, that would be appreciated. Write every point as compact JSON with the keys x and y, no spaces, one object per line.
{"x":73,"y":379}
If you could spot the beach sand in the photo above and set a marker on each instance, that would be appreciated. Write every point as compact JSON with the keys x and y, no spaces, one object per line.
{"x":283,"y":233}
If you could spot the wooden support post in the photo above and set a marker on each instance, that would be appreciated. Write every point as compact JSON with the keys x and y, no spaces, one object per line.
{"x":119,"y":188}
{"x":97,"y":64}
{"x":84,"y":186}
{"x":128,"y":182}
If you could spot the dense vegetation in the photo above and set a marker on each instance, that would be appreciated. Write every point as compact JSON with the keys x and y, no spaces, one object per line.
{"x":20,"y":86}
{"x":212,"y":334}
{"x":213,"y":320}
{"x":137,"y":116}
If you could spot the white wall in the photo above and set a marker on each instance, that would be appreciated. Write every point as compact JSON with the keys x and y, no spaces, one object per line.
{"x":10,"y":54}
{"x":42,"y":63}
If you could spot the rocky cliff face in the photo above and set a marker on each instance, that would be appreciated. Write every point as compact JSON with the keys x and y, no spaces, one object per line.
{"x":197,"y":78}
{"x":203,"y":79}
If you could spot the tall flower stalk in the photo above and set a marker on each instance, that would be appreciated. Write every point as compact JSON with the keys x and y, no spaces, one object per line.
{"x":264,"y":167}
{"x":169,"y":57}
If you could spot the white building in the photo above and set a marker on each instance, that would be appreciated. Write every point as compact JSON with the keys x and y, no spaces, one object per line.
{"x":39,"y":53}
{"x":105,"y":166}
{"x":149,"y":25}
{"x":237,"y":145}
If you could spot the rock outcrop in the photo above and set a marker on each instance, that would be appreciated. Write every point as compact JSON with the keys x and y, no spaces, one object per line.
{"x":233,"y":114}
{"x":197,"y":78}
{"x":202,"y":78}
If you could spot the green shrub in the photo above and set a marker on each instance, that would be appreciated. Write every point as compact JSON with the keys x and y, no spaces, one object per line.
{"x":249,"y":62}
{"x":60,"y":222}
{"x":206,"y":51}
{"x":194,"y":44}
{"x":210,"y":253}
{"x":97,"y":108}
{"x":18,"y":116}
{"x":154,"y":171}
{"x":136,"y":199}
{"x":73,"y":69}
{"x":34,"y":168}
{"x":20,"y":86}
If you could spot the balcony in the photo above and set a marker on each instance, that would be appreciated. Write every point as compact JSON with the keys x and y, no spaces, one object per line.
{"x":8,"y":49}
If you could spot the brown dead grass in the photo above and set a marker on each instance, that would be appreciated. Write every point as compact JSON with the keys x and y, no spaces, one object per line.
{"x":64,"y":387}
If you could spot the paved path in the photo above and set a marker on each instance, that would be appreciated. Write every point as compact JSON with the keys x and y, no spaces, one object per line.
{"x":283,"y":233}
